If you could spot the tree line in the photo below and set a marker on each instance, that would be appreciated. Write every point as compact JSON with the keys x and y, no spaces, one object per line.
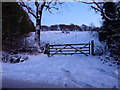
{"x":71,"y":27}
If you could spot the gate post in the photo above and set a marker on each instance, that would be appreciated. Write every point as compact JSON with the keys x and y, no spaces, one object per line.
{"x":47,"y":50}
{"x":92,"y":47}
{"x":89,"y":48}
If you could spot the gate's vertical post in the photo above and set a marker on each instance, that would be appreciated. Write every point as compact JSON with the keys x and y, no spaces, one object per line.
{"x":89,"y":48}
{"x":92,"y":47}
{"x":47,"y":51}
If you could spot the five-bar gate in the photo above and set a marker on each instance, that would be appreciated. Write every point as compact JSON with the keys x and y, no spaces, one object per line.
{"x":70,"y":49}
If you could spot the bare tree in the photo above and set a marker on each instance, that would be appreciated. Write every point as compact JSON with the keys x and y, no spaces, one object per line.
{"x":99,"y":7}
{"x":40,"y":5}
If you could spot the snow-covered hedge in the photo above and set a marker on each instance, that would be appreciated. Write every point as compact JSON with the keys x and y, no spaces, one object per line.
{"x":16,"y":58}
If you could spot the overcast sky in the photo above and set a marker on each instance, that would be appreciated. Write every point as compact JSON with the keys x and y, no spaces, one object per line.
{"x":72,"y":12}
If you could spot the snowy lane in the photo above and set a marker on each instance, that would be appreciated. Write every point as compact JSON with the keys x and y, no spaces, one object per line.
{"x":63,"y":71}
{"x":10,"y":83}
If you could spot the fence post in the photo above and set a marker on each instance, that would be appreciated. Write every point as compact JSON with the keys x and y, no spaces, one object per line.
{"x":47,"y":50}
{"x":92,"y":47}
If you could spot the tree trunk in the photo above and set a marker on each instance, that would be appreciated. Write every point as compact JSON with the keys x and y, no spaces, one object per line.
{"x":37,"y":30}
{"x":38,"y":27}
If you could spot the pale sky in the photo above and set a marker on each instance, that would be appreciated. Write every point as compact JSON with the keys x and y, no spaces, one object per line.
{"x":71,"y":12}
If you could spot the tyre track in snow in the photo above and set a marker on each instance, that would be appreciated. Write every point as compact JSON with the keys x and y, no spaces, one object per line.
{"x":108,"y":73}
{"x":79,"y":84}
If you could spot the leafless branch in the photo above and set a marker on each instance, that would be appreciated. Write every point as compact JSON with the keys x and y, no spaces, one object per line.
{"x":90,"y":2}
{"x":48,"y":3}
{"x":60,"y":2}
{"x":43,"y":5}
{"x":87,"y":2}
{"x":37,"y":4}
{"x":98,"y":8}
{"x":48,"y":7}
{"x":28,"y":8}
{"x":49,"y":11}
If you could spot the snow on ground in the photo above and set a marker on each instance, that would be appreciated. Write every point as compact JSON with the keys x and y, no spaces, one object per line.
{"x":75,"y":71}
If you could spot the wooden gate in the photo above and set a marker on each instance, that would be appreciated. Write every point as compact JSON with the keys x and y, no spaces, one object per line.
{"x":70,"y":49}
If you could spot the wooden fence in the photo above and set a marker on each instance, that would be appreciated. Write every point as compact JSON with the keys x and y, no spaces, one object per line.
{"x":70,"y":49}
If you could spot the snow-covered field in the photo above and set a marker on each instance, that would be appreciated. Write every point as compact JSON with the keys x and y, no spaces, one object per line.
{"x":57,"y":37}
{"x":76,"y":71}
